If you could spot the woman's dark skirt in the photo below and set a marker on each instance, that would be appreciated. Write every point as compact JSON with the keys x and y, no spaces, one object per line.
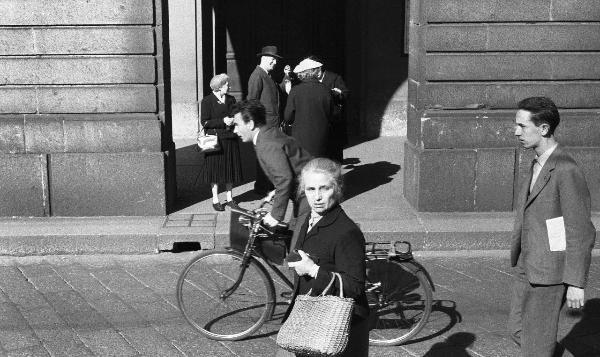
{"x":223,"y":166}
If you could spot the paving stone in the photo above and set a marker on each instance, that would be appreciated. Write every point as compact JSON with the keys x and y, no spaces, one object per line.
{"x":15,"y":333}
{"x":149,"y":342}
{"x":33,"y":351}
{"x":118,"y":313}
{"x":124,"y":285}
{"x":75,"y":311}
{"x":106,"y":342}
{"x":156,"y":311}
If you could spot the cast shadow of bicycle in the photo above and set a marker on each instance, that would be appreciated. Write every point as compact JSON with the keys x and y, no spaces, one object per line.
{"x":363,"y":178}
{"x":584,"y":338}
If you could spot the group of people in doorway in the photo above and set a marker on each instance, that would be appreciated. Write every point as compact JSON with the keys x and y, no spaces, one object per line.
{"x":308,"y":105}
{"x":553,"y":235}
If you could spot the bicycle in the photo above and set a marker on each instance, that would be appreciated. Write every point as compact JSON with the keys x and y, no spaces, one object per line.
{"x":229,"y":294}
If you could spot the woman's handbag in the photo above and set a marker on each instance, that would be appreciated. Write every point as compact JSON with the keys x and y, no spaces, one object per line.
{"x":318,"y":325}
{"x":207,"y":142}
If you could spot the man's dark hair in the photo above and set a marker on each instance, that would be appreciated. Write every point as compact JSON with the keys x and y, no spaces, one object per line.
{"x":251,"y":110}
{"x":543,"y":111}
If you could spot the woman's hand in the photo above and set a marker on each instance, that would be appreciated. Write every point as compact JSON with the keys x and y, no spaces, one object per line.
{"x":306,"y":266}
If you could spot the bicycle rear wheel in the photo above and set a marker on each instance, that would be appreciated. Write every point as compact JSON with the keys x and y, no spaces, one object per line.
{"x":400,"y":305}
{"x":201,"y":295}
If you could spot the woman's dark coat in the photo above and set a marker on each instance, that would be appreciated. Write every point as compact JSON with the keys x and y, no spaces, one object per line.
{"x":337,"y":245}
{"x":212,"y":114}
{"x":309,"y":110}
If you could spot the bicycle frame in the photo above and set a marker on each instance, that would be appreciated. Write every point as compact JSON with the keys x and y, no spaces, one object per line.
{"x":250,"y":252}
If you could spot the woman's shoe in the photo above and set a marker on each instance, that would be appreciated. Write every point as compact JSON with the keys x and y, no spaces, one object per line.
{"x":232,"y":204}
{"x":218,"y":207}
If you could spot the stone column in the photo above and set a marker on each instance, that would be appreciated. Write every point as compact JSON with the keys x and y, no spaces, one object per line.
{"x":470,"y":62}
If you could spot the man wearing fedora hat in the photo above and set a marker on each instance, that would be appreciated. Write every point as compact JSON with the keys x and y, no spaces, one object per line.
{"x":263,"y":88}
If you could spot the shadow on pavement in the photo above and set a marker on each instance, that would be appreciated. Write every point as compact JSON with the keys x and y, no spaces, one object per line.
{"x":363,"y":178}
{"x":454,"y":345}
{"x":445,"y":307}
{"x":584,"y":338}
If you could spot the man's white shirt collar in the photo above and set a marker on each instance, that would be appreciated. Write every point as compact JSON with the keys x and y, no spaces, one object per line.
{"x":255,"y":136}
{"x":544,"y":157}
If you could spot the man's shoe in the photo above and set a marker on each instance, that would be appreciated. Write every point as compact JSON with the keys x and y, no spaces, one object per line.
{"x":218,"y":207}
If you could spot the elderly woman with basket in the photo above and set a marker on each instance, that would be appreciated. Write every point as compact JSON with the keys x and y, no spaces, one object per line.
{"x":327,"y":243}
{"x":223,"y":165}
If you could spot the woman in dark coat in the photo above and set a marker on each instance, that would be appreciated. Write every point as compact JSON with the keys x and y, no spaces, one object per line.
{"x":328,"y":241}
{"x":225,"y":165}
{"x":309,"y":109}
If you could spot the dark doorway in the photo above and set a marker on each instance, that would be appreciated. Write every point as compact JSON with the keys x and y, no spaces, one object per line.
{"x":297,"y":28}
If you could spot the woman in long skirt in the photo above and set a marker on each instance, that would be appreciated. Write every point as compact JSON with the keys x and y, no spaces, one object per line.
{"x":224,"y":165}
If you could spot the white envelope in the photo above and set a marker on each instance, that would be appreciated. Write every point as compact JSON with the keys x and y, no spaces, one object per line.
{"x":557,"y":236}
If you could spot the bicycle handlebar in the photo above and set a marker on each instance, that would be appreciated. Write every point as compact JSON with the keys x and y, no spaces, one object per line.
{"x":257,"y":215}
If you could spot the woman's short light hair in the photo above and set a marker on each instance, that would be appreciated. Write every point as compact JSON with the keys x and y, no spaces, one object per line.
{"x":328,"y":167}
{"x":218,"y":81}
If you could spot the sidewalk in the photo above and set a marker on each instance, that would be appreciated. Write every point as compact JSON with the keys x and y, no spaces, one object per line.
{"x":125,"y":305}
{"x":375,"y":200}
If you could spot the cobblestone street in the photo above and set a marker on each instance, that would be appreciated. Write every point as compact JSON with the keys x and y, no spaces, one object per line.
{"x":126,"y":306}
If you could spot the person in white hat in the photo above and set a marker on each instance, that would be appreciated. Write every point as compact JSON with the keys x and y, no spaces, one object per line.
{"x":338,"y":137}
{"x":309,"y":109}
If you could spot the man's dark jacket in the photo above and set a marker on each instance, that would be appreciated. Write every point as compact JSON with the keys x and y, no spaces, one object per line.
{"x":309,"y":110}
{"x":282,"y":159}
{"x":263,"y":88}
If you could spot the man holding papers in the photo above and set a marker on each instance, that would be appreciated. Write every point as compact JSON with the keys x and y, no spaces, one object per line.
{"x":553,"y":234}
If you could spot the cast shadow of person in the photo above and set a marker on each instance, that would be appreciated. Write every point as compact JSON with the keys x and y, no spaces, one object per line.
{"x":584,"y":338}
{"x":363,"y":178}
{"x":454,"y":345}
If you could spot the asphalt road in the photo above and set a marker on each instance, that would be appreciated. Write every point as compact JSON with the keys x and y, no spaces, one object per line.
{"x":126,"y":306}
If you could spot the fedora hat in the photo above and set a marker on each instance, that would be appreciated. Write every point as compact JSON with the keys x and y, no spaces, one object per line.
{"x":269,"y":51}
{"x":306,"y":64}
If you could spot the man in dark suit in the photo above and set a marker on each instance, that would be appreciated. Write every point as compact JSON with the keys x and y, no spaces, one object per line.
{"x":553,"y":234}
{"x":338,"y":134}
{"x":279,"y":155}
{"x":263,"y":88}
{"x":309,"y":110}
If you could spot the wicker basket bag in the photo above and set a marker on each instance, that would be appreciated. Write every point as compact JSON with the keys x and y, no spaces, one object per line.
{"x":318,"y":325}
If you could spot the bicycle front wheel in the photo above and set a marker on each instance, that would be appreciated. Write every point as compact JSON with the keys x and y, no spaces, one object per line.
{"x":211,"y":303}
{"x":400,"y":304}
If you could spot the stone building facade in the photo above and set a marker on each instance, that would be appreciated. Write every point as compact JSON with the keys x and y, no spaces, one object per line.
{"x":470,"y":62}
{"x":83,"y":124}
{"x":90,"y":104}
